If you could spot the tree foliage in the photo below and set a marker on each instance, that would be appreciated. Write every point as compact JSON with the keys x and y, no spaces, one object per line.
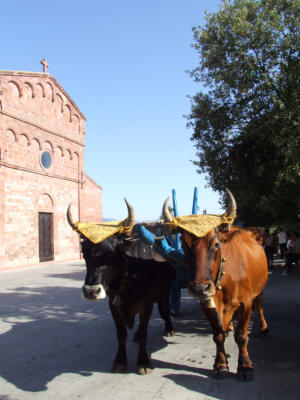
{"x":246,"y":121}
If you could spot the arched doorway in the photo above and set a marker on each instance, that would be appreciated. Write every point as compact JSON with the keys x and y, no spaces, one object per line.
{"x":46,"y":248}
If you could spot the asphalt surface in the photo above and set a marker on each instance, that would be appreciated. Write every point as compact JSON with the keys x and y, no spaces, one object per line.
{"x":55,"y":345}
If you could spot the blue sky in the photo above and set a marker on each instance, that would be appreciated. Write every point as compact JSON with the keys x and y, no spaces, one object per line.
{"x":123,"y":63}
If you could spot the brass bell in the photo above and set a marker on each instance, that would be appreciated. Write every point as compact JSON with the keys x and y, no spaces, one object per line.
{"x":210,"y":303}
{"x":223,"y":259}
{"x":218,"y":287}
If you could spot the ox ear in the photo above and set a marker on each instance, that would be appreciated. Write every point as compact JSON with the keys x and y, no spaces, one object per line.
{"x":224,"y":228}
{"x":188,"y":238}
{"x":123,"y":246}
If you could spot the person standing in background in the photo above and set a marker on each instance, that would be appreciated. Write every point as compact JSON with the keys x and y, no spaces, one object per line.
{"x":269,"y":246}
{"x":282,"y":242}
{"x":293,"y":256}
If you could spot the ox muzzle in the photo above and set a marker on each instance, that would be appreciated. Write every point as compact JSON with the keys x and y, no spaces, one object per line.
{"x":93,"y":292}
{"x":203,"y":292}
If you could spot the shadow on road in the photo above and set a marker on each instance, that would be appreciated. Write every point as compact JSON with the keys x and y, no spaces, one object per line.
{"x":77,"y":275}
{"x":49,"y":331}
{"x":276,"y":361}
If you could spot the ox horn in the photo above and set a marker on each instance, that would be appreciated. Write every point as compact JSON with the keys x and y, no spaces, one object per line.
{"x":130,"y":220}
{"x":69,"y":217}
{"x":231,"y":209}
{"x":166,"y":213}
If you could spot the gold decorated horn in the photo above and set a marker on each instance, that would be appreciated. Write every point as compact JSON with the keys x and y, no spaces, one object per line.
{"x":166,"y":213}
{"x":130,"y":220}
{"x":231,"y":209}
{"x":69,"y":217}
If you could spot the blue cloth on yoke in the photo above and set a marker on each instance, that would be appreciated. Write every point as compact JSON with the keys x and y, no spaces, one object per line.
{"x":162,"y":246}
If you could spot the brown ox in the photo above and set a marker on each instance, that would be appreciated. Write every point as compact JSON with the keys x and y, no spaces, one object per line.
{"x":228,"y":272}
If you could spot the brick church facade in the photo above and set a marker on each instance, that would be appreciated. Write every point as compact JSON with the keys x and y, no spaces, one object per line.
{"x":42,"y":134}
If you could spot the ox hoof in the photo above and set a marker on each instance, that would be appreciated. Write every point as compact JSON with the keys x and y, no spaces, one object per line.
{"x":265,"y":334}
{"x":245,"y":374}
{"x":118,"y":367}
{"x":144,"y":369}
{"x":169,"y":333}
{"x":221,"y":373}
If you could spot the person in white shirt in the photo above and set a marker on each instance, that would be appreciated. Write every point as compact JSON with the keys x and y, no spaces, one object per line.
{"x":282,"y":242}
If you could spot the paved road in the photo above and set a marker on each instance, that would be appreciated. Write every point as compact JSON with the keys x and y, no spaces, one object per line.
{"x":55,"y":345}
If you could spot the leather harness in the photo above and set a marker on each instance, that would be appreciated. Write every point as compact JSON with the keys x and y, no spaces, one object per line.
{"x":221,"y":271}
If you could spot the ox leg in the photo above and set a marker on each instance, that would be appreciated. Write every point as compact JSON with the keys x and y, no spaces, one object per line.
{"x":143,"y":363}
{"x":221,"y":365}
{"x":164,"y":311}
{"x":258,"y":305}
{"x":244,"y":370}
{"x":120,"y":360}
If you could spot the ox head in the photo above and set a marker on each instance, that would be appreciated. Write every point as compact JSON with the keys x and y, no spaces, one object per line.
{"x":97,"y":258}
{"x":100,"y":259}
{"x":204,"y":256}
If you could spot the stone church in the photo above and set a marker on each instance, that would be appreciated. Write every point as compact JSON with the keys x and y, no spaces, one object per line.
{"x":42,"y":135}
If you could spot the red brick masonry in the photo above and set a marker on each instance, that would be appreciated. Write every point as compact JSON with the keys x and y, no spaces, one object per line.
{"x":37,"y":115}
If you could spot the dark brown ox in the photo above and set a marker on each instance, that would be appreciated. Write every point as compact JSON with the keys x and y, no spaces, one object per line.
{"x":132,"y":285}
{"x":228,"y":272}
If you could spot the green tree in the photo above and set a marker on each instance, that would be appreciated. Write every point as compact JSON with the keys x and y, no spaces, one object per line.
{"x":246,"y":121}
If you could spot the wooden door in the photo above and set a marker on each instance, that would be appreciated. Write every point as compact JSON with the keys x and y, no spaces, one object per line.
{"x":46,"y":236}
